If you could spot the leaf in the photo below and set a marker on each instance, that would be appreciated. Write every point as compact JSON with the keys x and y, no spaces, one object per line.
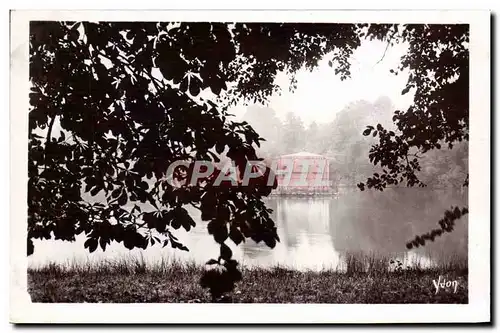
{"x":31,"y":247}
{"x":211,"y":262}
{"x":270,"y":241}
{"x":223,"y":213}
{"x":133,"y":239}
{"x":367,"y":131}
{"x":176,"y":245}
{"x":130,"y":34}
{"x":208,"y":202}
{"x":188,"y":221}
{"x":221,"y":233}
{"x":151,"y":221}
{"x":184,"y":84}
{"x":225,"y":252}
{"x":95,"y":191}
{"x":194,"y":86}
{"x":235,"y":235}
{"x":91,"y":244}
{"x":103,"y":243}
{"x":219,"y":148}
{"x":216,"y":84}
{"x":152,"y":201}
{"x":175,"y":223}
{"x":122,"y":201}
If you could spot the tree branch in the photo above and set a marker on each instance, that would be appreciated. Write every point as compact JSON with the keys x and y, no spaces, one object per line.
{"x":383,"y":55}
{"x":416,"y":155}
{"x":386,"y":47}
{"x":49,"y":133}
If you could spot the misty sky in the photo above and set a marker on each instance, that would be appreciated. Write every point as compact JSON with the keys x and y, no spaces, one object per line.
{"x":320,"y":94}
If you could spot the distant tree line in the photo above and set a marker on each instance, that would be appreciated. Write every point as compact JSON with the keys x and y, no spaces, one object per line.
{"x":342,"y":140}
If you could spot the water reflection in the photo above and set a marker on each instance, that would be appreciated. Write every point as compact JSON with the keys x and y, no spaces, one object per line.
{"x":315,"y":233}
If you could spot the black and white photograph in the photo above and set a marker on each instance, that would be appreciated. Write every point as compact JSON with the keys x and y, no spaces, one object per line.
{"x":189,"y":159}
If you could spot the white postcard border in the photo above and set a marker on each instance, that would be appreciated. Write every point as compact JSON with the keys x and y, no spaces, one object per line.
{"x":478,"y":309}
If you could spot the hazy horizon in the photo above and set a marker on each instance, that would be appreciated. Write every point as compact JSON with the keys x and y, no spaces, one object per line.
{"x":313,"y":99}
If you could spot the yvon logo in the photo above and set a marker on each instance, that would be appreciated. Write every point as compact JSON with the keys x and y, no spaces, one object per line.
{"x":442,"y":283}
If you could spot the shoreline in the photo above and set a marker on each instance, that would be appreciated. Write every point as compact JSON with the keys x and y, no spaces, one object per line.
{"x":175,"y":282}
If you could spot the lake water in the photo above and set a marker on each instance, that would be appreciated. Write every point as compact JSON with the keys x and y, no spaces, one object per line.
{"x":315,"y":232}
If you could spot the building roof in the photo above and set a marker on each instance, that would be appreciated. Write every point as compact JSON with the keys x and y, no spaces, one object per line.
{"x":304,"y":154}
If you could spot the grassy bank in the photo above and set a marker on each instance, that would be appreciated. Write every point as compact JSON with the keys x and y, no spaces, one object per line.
{"x":364,"y":280}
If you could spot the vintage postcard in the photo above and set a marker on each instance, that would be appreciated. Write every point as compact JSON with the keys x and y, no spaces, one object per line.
{"x":250,"y":167}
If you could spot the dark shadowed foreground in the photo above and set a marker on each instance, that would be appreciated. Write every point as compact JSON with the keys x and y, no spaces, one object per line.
{"x":131,"y":281}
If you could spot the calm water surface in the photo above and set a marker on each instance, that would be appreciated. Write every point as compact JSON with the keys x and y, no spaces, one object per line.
{"x":315,"y":233}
